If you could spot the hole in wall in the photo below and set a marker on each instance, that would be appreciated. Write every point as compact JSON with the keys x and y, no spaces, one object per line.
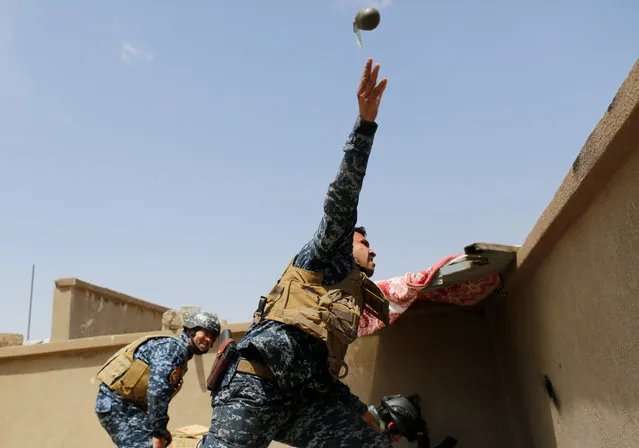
{"x":550,"y":391}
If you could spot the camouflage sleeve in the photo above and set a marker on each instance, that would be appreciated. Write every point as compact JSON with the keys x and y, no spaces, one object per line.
{"x":343,"y":394}
{"x":334,"y":236}
{"x":164,"y":359}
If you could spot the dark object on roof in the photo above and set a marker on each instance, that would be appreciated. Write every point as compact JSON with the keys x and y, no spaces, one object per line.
{"x":479,"y":260}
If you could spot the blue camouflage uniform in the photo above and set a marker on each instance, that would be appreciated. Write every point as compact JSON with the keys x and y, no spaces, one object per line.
{"x":303,"y":407}
{"x":127,"y":423}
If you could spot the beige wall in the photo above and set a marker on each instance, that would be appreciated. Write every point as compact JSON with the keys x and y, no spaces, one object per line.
{"x":83,"y":310}
{"x":52,"y":394}
{"x":55,"y":393}
{"x":573,"y":306}
{"x":57,"y":390}
{"x":447,"y":359}
{"x":8,"y":339}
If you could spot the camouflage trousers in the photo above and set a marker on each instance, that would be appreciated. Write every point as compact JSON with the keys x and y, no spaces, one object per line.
{"x":126,"y":423}
{"x":250,"y":412}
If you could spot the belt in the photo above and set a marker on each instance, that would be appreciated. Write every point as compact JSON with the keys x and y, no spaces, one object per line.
{"x":255,"y":368}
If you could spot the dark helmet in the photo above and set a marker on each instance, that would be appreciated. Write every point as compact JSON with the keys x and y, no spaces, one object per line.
{"x":206,"y":321}
{"x":406,"y":415}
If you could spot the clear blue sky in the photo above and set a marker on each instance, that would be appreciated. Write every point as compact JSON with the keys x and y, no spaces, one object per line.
{"x":180,"y":151}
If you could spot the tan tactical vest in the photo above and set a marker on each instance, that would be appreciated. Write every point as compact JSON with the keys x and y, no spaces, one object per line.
{"x":328,"y":312}
{"x":129,"y":377}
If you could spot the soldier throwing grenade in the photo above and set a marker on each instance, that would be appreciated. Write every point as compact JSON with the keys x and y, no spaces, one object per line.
{"x":284,"y":385}
{"x":138,"y":382}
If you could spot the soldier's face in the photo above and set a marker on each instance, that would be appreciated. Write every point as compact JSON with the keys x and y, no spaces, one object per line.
{"x":363,"y":254}
{"x":203,"y":340}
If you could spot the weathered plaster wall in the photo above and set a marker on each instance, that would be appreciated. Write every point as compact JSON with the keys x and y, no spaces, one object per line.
{"x":448,"y":359}
{"x":9,"y":339}
{"x":83,"y":310}
{"x":573,"y":307}
{"x":53,"y":393}
{"x":57,"y":391}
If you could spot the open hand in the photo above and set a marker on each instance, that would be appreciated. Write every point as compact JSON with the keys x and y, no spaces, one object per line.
{"x":370,"y":93}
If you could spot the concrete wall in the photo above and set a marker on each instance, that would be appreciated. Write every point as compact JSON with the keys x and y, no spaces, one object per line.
{"x":55,"y":392}
{"x":573,"y":307}
{"x":445,"y":358}
{"x":83,"y":310}
{"x":52,"y":394}
{"x":8,"y":339}
{"x":448,"y":359}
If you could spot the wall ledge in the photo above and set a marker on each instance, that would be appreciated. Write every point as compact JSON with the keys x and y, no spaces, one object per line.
{"x":611,"y":143}
{"x":108,"y":293}
{"x":93,"y":343}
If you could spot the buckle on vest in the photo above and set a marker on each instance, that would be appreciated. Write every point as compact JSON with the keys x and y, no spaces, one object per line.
{"x":338,"y":376}
{"x":345,"y":370}
{"x":257,"y":315}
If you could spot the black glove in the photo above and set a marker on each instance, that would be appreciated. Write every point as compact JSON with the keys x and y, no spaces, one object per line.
{"x":168,"y":437}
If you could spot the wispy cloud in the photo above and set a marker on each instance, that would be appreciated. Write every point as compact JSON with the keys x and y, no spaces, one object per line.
{"x":129,"y":53}
{"x":16,"y":84}
{"x":379,"y":4}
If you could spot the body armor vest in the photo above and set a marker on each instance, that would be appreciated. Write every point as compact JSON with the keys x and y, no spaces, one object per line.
{"x":328,"y":312}
{"x":129,"y":377}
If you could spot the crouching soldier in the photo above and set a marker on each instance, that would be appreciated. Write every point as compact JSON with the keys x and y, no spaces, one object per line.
{"x":138,"y":382}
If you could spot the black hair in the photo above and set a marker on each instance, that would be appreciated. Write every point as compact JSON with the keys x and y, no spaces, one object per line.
{"x":361,"y":230}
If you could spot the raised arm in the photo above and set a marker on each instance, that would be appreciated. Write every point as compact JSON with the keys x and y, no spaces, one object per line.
{"x":334,"y":236}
